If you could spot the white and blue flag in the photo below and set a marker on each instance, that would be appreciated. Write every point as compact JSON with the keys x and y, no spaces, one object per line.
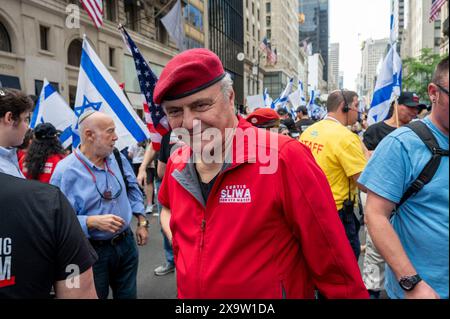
{"x":315,"y":111}
{"x":51,"y":108}
{"x":280,"y":103}
{"x":267,"y":99}
{"x":98,"y":91}
{"x":389,"y":81}
{"x":298,"y":97}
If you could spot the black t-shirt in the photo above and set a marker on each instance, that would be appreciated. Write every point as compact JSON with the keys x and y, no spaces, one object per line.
{"x":41,"y":240}
{"x":375,"y":133}
{"x":303,"y":124}
{"x":168,"y":143}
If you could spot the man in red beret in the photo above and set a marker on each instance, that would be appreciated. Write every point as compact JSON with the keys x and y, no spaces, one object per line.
{"x":264,"y":118}
{"x":237,"y":231}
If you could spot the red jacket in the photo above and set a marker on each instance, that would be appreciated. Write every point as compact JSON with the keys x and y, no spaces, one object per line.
{"x":259,"y":236}
{"x":47,"y":171}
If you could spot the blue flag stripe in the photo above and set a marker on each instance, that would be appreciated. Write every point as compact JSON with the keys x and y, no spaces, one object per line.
{"x":111,"y":98}
{"x":65,"y":135}
{"x":382,"y":95}
{"x":48,"y":90}
{"x":35,"y":114}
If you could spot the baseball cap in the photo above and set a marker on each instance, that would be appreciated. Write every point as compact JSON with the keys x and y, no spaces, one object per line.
{"x":45,"y":131}
{"x":411,"y":99}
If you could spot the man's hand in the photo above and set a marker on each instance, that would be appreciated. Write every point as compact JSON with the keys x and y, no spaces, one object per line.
{"x":142,"y":177}
{"x":422,"y":291}
{"x":141,"y":236}
{"x":106,"y":223}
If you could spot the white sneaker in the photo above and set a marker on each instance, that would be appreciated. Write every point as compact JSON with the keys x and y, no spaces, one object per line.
{"x":149,"y":209}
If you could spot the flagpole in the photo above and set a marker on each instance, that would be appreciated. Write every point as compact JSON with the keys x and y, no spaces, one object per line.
{"x":257,"y":72}
{"x":396,"y":111}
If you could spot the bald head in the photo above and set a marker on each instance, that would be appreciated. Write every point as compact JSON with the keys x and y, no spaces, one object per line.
{"x":98,"y":135}
{"x":93,"y":122}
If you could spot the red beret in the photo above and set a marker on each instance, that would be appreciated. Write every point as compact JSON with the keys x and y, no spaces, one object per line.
{"x":261,"y":117}
{"x":187,"y":73}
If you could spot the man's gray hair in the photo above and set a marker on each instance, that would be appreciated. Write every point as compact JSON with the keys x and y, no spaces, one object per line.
{"x":226,"y":85}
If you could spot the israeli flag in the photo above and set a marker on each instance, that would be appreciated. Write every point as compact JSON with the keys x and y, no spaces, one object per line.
{"x":388,"y":87}
{"x":280,"y":103}
{"x":98,"y":91}
{"x":298,"y":97}
{"x":267,"y":99}
{"x":51,"y":108}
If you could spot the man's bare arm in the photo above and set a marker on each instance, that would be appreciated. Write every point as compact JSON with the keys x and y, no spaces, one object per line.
{"x":85,"y":289}
{"x":165,"y":223}
{"x":377,"y":214}
{"x":149,"y":156}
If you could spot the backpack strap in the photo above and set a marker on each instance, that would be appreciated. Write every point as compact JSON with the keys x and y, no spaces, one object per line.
{"x":119,"y":161}
{"x":427,"y":174}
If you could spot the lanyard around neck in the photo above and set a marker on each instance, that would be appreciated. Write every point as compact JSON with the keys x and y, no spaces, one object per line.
{"x":89,"y":170}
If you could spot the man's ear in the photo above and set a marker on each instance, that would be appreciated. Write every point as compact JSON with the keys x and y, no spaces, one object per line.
{"x":8,"y":118}
{"x":232,"y":98}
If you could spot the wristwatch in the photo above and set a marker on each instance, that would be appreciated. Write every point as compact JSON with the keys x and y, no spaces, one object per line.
{"x":145,"y":224}
{"x":408,"y":283}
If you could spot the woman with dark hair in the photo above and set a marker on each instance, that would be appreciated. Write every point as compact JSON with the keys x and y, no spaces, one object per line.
{"x":44,"y":154}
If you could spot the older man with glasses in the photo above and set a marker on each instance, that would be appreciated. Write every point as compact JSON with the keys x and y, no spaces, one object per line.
{"x":91,"y":179}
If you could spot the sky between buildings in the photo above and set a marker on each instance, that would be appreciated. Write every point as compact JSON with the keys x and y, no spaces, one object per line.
{"x":351,"y":22}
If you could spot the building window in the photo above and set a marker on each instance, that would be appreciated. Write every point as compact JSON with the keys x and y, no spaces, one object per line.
{"x":259,"y":15}
{"x":269,"y":34}
{"x":193,"y":16}
{"x":161,"y":33}
{"x":253,"y":30}
{"x":268,"y":21}
{"x":5,"y":41}
{"x":74,"y":53}
{"x":268,"y":7}
{"x":248,"y":25}
{"x":38,"y":84}
{"x":131,"y":14}
{"x":44,"y":35}
{"x":72,"y":95}
{"x":109,"y":9}
{"x":111,"y":57}
{"x":253,"y":8}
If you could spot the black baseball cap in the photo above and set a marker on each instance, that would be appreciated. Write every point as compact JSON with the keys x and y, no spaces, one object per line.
{"x":45,"y":131}
{"x":411,"y":99}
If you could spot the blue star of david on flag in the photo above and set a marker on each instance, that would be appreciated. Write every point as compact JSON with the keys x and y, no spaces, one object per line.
{"x":87,"y":105}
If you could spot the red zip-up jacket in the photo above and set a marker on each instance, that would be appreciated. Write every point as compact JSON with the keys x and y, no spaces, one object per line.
{"x":259,"y":236}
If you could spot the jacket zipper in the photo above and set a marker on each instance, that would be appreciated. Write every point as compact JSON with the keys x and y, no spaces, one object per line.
{"x":202,"y":241}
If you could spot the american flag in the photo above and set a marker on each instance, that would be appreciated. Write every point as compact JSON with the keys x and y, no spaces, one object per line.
{"x":436,"y":9}
{"x":155,"y":117}
{"x":272,"y":56}
{"x":95,"y":10}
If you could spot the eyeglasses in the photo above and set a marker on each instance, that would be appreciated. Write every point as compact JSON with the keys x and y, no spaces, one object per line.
{"x":443,"y":89}
{"x":107,"y":194}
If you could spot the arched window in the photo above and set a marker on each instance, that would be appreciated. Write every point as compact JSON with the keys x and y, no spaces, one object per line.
{"x":5,"y":41}
{"x":74,"y":52}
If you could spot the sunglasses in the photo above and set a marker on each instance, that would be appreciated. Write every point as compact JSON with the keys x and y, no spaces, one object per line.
{"x":443,"y":89}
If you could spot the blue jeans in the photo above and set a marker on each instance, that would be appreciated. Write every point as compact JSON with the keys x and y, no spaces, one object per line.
{"x":117,"y":267}
{"x":167,"y":247}
{"x":352,"y":226}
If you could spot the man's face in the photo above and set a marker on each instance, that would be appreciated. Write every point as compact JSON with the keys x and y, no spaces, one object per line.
{"x":437,"y":93}
{"x":196,"y":113}
{"x":104,"y":137}
{"x":20,"y":128}
{"x":353,"y":111}
{"x":406,"y":114}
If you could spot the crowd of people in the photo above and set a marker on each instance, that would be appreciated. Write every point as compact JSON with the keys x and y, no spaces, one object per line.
{"x":230,"y":229}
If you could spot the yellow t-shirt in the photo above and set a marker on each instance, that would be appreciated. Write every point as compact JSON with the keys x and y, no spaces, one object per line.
{"x":339,"y":153}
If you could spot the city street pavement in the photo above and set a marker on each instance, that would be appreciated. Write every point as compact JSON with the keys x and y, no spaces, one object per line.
{"x":151,"y":256}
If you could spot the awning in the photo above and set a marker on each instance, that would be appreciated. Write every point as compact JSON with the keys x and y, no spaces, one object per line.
{"x":12,"y":82}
